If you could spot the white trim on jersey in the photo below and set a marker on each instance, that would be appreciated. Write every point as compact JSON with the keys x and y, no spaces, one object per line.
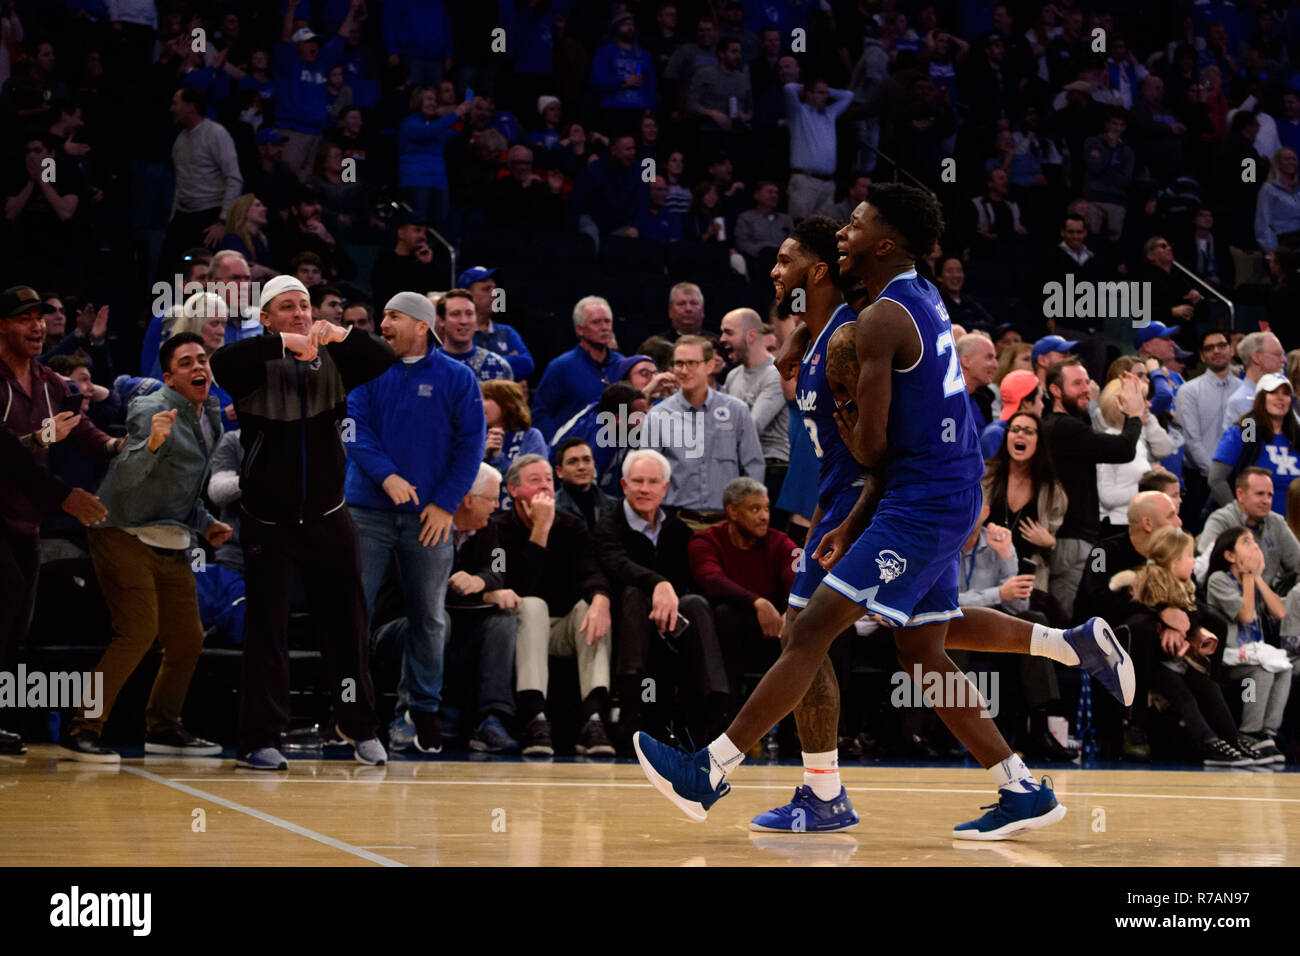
{"x":860,"y":597}
{"x":919,"y":337}
{"x":895,"y":615}
{"x":817,"y":341}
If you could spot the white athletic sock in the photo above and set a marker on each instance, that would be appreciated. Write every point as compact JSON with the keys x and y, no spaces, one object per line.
{"x":822,"y":773}
{"x":1011,"y":774}
{"x":724,"y":758}
{"x":1050,"y":642}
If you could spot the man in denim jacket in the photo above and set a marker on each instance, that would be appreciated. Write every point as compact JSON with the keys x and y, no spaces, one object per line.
{"x":153,"y":493}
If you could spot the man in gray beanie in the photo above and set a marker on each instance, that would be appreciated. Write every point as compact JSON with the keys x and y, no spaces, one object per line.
{"x":419,"y":442}
{"x":290,"y":388}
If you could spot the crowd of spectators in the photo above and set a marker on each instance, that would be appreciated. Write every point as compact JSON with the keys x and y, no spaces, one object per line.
{"x":465,"y":311}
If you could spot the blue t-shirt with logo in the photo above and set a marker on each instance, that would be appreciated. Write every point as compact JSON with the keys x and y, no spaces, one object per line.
{"x":1278,"y":457}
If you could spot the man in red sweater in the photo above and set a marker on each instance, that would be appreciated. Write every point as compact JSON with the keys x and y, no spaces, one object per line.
{"x":745,"y":568}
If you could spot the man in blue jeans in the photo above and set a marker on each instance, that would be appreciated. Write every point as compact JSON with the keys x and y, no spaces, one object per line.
{"x":419,"y":431}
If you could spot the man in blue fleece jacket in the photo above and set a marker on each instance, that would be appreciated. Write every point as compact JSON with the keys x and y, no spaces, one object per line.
{"x":418,"y":444}
{"x":576,"y":378}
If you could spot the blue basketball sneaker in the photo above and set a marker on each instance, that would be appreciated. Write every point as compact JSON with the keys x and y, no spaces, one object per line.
{"x":808,"y":813}
{"x":680,"y":776}
{"x":1014,"y":813}
{"x":1102,"y":656}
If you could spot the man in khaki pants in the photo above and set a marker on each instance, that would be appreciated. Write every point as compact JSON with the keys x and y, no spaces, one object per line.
{"x":550,"y":564}
{"x":142,"y":555}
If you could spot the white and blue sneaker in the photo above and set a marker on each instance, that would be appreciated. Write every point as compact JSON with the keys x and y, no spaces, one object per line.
{"x":401,"y":732}
{"x":264,"y":758}
{"x":1102,"y":656}
{"x":1014,"y":813}
{"x":680,"y":776}
{"x":808,"y":813}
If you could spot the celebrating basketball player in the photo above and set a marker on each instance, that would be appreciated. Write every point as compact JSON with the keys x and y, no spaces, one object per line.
{"x":919,"y":437}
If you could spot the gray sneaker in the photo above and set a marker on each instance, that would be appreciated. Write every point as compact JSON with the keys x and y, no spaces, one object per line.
{"x":370,"y":752}
{"x":267,"y":758}
{"x":491,"y":737}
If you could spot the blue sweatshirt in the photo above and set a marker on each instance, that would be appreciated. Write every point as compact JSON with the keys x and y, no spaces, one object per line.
{"x":609,"y":67}
{"x":506,"y":342}
{"x":421,"y":420}
{"x":570,"y":381}
{"x":531,"y":35}
{"x":420,"y":151}
{"x":300,"y":87}
{"x":610,"y":194}
{"x":417,"y":28}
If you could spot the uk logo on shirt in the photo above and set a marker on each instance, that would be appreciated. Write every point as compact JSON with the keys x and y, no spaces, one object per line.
{"x":1284,"y":460}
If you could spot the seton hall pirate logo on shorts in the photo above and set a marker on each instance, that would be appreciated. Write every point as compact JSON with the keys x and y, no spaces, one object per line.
{"x":891,"y":565}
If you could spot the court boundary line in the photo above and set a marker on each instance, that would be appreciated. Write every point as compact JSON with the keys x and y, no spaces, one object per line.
{"x":264,"y":817}
{"x":782,"y":786}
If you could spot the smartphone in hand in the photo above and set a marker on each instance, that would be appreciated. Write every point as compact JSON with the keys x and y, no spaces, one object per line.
{"x":673,"y":638}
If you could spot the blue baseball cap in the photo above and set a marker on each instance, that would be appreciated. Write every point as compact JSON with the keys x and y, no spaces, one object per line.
{"x":270,"y":136}
{"x":1154,"y":330}
{"x":1052,"y":343}
{"x":618,"y":371}
{"x":473,"y":274}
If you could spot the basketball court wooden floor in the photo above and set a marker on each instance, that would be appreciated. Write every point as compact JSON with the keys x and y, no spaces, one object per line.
{"x":441,"y":812}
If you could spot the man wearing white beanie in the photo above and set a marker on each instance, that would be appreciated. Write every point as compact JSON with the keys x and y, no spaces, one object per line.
{"x":290,"y":390}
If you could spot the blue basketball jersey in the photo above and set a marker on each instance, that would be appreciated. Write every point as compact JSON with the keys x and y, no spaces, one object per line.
{"x":837,"y":467}
{"x":933,"y":438}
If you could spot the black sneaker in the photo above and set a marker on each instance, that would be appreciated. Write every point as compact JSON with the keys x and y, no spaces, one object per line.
{"x":11,"y":743}
{"x":179,"y":742}
{"x":1043,"y":746}
{"x":428,"y":731}
{"x":1220,"y":753}
{"x":1263,"y":748}
{"x":537,"y":738}
{"x":593,"y":741}
{"x":629,"y":723}
{"x":1135,"y":744}
{"x":84,"y":745}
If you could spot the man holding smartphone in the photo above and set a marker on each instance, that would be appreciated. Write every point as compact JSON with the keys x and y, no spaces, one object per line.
{"x":410,"y":264}
{"x":643,"y":551}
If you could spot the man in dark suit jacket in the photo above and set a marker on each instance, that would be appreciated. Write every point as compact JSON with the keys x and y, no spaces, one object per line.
{"x":643,"y":552}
